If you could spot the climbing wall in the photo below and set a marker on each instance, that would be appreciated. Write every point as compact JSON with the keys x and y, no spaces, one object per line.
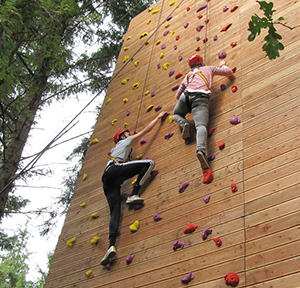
{"x":258,"y":222}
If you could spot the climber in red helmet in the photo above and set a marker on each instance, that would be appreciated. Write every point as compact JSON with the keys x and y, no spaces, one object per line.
{"x":193,"y":96}
{"x":119,"y":169}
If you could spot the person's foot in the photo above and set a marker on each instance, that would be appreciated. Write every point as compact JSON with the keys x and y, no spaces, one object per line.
{"x":186,"y":131}
{"x":109,"y":255}
{"x":134,"y":199}
{"x":203,"y":160}
{"x":187,"y":141}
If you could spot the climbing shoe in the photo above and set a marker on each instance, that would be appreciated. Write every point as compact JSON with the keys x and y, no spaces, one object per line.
{"x":135,"y":226}
{"x":134,"y":199}
{"x":203,"y":160}
{"x":186,"y":131}
{"x":109,"y":255}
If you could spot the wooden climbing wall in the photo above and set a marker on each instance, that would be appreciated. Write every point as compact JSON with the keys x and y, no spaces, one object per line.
{"x":258,"y":224}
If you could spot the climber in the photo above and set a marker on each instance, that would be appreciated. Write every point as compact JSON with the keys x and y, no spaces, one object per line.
{"x":116,"y":172}
{"x":193,"y":95}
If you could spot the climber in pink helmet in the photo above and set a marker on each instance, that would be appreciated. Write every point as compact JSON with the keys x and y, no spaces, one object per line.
{"x":193,"y":96}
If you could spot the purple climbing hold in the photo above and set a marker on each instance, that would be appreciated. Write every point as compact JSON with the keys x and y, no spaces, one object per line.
{"x":235,"y":120}
{"x":157,"y":108}
{"x":127,"y":112}
{"x":211,"y":156}
{"x":198,"y":38}
{"x":215,"y":38}
{"x":225,"y":9}
{"x":169,"y":17}
{"x":183,"y":186}
{"x":167,"y":114}
{"x":158,"y":65}
{"x":107,"y":266}
{"x":186,"y":24}
{"x":201,"y":8}
{"x":178,"y":244}
{"x":156,"y":217}
{"x":206,"y":199}
{"x":163,"y":46}
{"x":175,"y":87}
{"x":205,"y":233}
{"x":129,"y":258}
{"x":199,"y":28}
{"x":154,"y":172}
{"x":222,"y":55}
{"x":171,"y":72}
{"x":152,"y":93}
{"x":169,"y":135}
{"x":143,"y":141}
{"x":179,"y":58}
{"x":175,"y":47}
{"x":166,"y":32}
{"x":189,"y":277}
{"x":222,"y":87}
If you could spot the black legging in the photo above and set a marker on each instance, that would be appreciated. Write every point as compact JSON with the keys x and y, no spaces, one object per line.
{"x":113,"y":177}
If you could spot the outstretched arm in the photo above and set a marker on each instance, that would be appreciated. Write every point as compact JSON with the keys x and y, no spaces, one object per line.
{"x":149,"y":127}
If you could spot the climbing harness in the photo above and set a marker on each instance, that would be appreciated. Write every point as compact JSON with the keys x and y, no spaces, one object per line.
{"x":112,"y":158}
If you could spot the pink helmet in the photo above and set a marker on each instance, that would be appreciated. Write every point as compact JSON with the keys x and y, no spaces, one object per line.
{"x":117,"y":135}
{"x":195,"y":60}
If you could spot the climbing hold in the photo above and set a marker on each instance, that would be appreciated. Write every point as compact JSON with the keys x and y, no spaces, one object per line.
{"x":188,"y":278}
{"x":143,"y":141}
{"x":94,"y":215}
{"x":199,"y":28}
{"x":205,"y":233}
{"x":166,"y":33}
{"x":88,"y":273}
{"x":125,"y":125}
{"x":175,"y":87}
{"x":156,"y":217}
{"x":140,"y":156}
{"x":157,"y":108}
{"x":168,"y":135}
{"x":178,"y":244}
{"x":143,"y":34}
{"x":188,"y":9}
{"x":150,"y":9}
{"x":124,"y":81}
{"x":183,"y":186}
{"x":165,"y":116}
{"x":171,"y":72}
{"x":225,"y":28}
{"x":166,"y":66}
{"x":154,"y":173}
{"x":127,"y":112}
{"x":149,"y":108}
{"x":95,"y":240}
{"x":161,"y":55}
{"x":199,"y":16}
{"x":218,"y":241}
{"x":135,"y":86}
{"x":179,"y":57}
{"x":147,"y":92}
{"x":84,"y":176}
{"x":225,"y":9}
{"x":211,"y":156}
{"x":113,"y":122}
{"x":172,"y":33}
{"x":171,"y":119}
{"x":234,"y":8}
{"x":125,"y":100}
{"x":234,"y":88}
{"x":178,"y":75}
{"x":232,"y":279}
{"x":206,"y":21}
{"x":129,"y":258}
{"x":211,"y":131}
{"x":206,"y":198}
{"x":189,"y":228}
{"x":233,"y":44}
{"x":169,"y":17}
{"x":201,"y":8}
{"x":158,"y":66}
{"x":233,"y":187}
{"x":126,"y":48}
{"x":147,"y":42}
{"x":198,"y":48}
{"x":157,"y":42}
{"x":82,"y":204}
{"x":125,"y":59}
{"x":207,"y":176}
{"x":135,"y":226}
{"x":222,"y":87}
{"x":129,"y":37}
{"x":167,"y":25}
{"x":233,"y":69}
{"x":197,"y":38}
{"x":108,"y":100}
{"x":205,"y":40}
{"x":108,"y":267}
{"x":222,"y":55}
{"x":172,"y":3}
{"x":175,"y":47}
{"x":215,"y":38}
{"x":94,"y":141}
{"x":71,"y":241}
{"x":186,"y":24}
{"x":177,"y":37}
{"x":148,"y":22}
{"x":136,"y":63}
{"x":152,"y":93}
{"x":235,"y":120}
{"x":221,"y":145}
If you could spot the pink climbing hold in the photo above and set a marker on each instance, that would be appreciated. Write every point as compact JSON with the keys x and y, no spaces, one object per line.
{"x":235,"y":120}
{"x":225,"y":9}
{"x":156,"y":217}
{"x":163,"y":46}
{"x":201,"y":8}
{"x":188,"y":278}
{"x":154,"y":173}
{"x":197,"y":38}
{"x":127,"y":112}
{"x":158,"y":65}
{"x":206,"y":199}
{"x":175,"y":47}
{"x":175,"y":87}
{"x":211,"y":156}
{"x":222,"y":87}
{"x":167,"y":114}
{"x":169,"y":135}
{"x":107,"y":266}
{"x":166,"y":33}
{"x":233,"y":187}
{"x":169,"y":17}
{"x":205,"y":233}
{"x":129,"y":258}
{"x":215,"y":38}
{"x":199,"y":28}
{"x":183,"y":186}
{"x":179,"y":58}
{"x":152,"y":93}
{"x":143,"y":141}
{"x":171,"y":72}
{"x":178,"y":244}
{"x":157,"y":108}
{"x":222,"y":55}
{"x":186,"y":24}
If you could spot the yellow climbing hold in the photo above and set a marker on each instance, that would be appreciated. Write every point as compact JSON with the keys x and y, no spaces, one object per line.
{"x":125,"y":59}
{"x":135,"y":226}
{"x":125,"y":100}
{"x":147,"y":92}
{"x":143,"y":35}
{"x":149,"y":108}
{"x":155,"y":11}
{"x":161,"y":55}
{"x":177,"y":5}
{"x":172,"y":3}
{"x":136,"y":63}
{"x":94,"y":141}
{"x":108,"y":100}
{"x":135,"y":86}
{"x":150,"y":9}
{"x":113,"y":122}
{"x":172,"y":33}
{"x":129,"y":37}
{"x":126,"y":48}
{"x":133,"y":182}
{"x":84,"y":176}
{"x":171,"y":118}
{"x":149,"y":21}
{"x":124,"y":81}
{"x":95,"y":240}
{"x":139,"y":156}
{"x":82,"y":204}
{"x":157,"y":42}
{"x":167,"y":25}
{"x":133,"y":26}
{"x":70,"y":242}
{"x":95,"y":215}
{"x":88,"y":273}
{"x":126,"y":125}
{"x":166,"y":66}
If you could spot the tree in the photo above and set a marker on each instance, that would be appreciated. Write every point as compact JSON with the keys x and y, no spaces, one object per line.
{"x":38,"y":65}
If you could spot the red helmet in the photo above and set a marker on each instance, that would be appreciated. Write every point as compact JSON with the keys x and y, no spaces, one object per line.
{"x":116,"y":136}
{"x":195,"y":60}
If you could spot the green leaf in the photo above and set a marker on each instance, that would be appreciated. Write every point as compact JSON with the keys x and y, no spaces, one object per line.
{"x":272,"y":45}
{"x":267,"y":8}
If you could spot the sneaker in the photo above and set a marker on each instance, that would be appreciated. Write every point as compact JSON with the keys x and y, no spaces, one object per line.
{"x":109,"y":255}
{"x":203,"y":160}
{"x":186,"y":131}
{"x":134,"y":199}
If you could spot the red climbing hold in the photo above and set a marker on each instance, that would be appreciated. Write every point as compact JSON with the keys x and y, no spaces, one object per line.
{"x":188,"y":8}
{"x":211,"y":131}
{"x":178,"y":75}
{"x":234,"y":8}
{"x":183,"y":186}
{"x":177,"y":37}
{"x":197,"y":49}
{"x":233,"y":187}
{"x":207,"y":176}
{"x":189,"y":228}
{"x":234,"y":88}
{"x":199,"y":16}
{"x":221,"y":145}
{"x":225,"y":28}
{"x":206,"y":21}
{"x":218,"y":241}
{"x":204,"y":40}
{"x":233,"y":69}
{"x":232,"y":279}
{"x":233,"y":44}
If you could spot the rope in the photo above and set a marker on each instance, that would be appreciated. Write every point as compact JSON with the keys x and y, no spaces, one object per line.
{"x":205,"y":34}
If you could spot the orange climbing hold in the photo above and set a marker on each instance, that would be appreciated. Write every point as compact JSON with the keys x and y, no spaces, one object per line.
{"x":207,"y":176}
{"x":225,"y":28}
{"x":189,"y":228}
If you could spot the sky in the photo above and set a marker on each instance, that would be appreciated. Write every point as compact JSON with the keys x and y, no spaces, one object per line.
{"x":42,"y":191}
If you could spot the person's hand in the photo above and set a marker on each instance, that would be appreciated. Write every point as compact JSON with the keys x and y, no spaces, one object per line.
{"x":222,"y":63}
{"x":161,"y":114}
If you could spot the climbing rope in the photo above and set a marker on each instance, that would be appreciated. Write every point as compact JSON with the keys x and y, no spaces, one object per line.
{"x":206,"y":34}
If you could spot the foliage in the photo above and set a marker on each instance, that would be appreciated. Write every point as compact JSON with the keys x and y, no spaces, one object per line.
{"x":272,"y":45}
